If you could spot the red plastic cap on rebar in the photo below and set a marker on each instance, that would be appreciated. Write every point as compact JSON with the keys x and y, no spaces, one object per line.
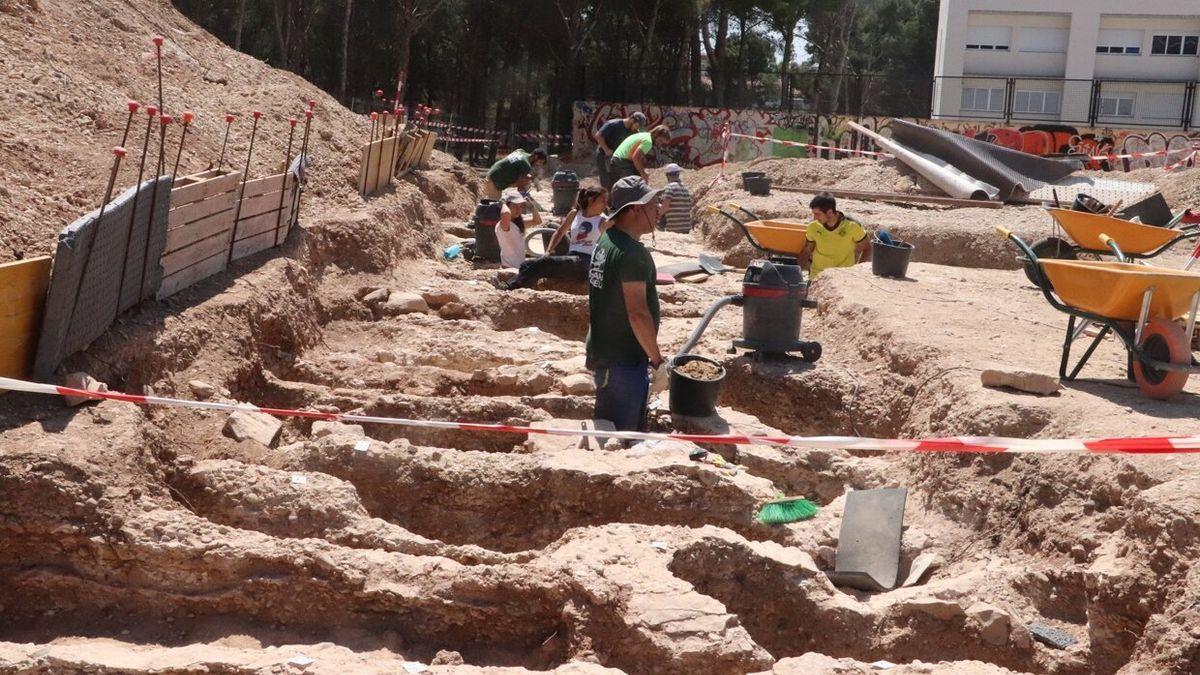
{"x":133,"y":106}
{"x":374,"y":116}
{"x":166,"y":119}
{"x":188,"y":116}
{"x":308,"y":114}
{"x":312,"y":103}
{"x":158,"y":40}
{"x":379,"y":93}
{"x":292,"y":122}
{"x":152,"y":110}
{"x":119,"y":151}
{"x":257,"y":114}
{"x":229,"y":118}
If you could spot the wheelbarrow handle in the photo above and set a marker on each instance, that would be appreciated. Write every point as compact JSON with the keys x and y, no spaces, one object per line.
{"x":1112,"y":244}
{"x":741,"y":225}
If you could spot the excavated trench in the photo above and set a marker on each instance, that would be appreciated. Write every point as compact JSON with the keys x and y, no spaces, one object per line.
{"x":514,"y":552}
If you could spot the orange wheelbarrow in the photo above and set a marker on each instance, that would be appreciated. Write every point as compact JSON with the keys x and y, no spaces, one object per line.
{"x":1139,"y":304}
{"x":781,"y":239}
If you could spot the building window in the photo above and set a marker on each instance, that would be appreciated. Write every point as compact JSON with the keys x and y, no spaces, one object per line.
{"x":1116,"y":105}
{"x":1162,"y":106}
{"x":989,"y":38}
{"x":1175,"y":45}
{"x":1036,"y":102}
{"x":983,"y":100}
{"x":1120,"y":41}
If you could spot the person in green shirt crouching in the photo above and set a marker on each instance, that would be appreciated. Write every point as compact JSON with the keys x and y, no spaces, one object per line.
{"x":622,"y":339}
{"x":630,"y":157}
{"x":512,"y":170}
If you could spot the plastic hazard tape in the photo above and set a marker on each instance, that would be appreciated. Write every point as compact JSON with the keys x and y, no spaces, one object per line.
{"x":968,"y":444}
{"x":1189,"y":159}
{"x":1156,"y":153}
{"x":834,"y":148}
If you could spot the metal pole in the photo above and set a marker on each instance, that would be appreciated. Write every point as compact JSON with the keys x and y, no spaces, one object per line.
{"x":151,"y":111}
{"x":228,"y":126}
{"x":237,"y":215}
{"x":118,"y":155}
{"x":187,"y":122}
{"x":164,"y":120}
{"x":283,"y":186}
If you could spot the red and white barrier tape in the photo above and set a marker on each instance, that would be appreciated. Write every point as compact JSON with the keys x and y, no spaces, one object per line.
{"x":1183,"y":162}
{"x":834,"y":148}
{"x":1137,"y":155}
{"x":970,"y":444}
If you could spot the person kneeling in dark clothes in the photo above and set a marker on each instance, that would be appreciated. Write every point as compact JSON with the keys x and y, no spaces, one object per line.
{"x":583,"y":226}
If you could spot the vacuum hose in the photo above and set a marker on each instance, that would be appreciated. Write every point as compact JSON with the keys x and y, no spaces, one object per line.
{"x":694,"y":338}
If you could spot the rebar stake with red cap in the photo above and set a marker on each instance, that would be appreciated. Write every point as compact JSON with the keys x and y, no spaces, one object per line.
{"x":151,"y":111}
{"x":237,"y":215}
{"x":228,"y":125}
{"x":188,"y":116}
{"x":164,"y":122}
{"x":158,"y":43}
{"x":133,"y":108}
{"x":283,"y":186}
{"x":118,"y":155}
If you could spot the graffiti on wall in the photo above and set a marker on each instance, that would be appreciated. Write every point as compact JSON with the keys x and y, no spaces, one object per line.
{"x":696,"y":134}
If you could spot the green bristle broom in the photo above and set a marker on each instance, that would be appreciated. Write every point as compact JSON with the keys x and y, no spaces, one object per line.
{"x":787,"y":510}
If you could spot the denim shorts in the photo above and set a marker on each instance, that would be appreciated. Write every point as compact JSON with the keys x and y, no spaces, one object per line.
{"x":621,"y":392}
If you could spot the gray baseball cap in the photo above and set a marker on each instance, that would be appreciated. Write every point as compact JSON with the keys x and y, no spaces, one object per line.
{"x":630,"y":191}
{"x":640,"y":118}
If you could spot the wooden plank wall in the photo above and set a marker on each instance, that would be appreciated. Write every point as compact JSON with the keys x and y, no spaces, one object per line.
{"x":263,"y":224}
{"x":199,"y":229}
{"x":23,"y":286}
{"x":393,"y":156}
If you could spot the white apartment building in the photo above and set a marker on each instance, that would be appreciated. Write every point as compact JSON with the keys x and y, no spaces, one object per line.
{"x":1102,"y":62}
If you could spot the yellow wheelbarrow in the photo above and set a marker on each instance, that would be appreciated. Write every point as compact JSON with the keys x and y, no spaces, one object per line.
{"x":1139,"y":304}
{"x":780,"y":238}
{"x":1137,"y":240}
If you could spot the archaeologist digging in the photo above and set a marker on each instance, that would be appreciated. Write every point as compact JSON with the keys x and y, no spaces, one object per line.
{"x":622,"y":339}
{"x":630,"y":158}
{"x":833,"y":239}
{"x":515,"y":169}
{"x":582,"y":227}
{"x":609,"y":137}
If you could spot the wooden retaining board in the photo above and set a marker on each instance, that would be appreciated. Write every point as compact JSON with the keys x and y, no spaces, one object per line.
{"x":199,"y":228}
{"x":23,"y":286}
{"x":378,"y":162}
{"x":263,"y":223}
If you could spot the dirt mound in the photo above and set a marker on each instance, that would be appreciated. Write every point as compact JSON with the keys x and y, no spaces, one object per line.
{"x":70,"y":71}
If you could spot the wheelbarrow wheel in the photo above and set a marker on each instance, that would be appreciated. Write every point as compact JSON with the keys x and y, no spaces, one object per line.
{"x":1050,"y":248}
{"x":1165,"y":341}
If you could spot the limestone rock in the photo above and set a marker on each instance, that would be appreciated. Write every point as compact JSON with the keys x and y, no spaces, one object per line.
{"x":376,"y":296}
{"x":993,"y":622}
{"x":384,"y":356}
{"x":254,"y":426}
{"x":578,"y":385}
{"x":454,"y":310}
{"x":437,"y":299}
{"x":321,"y":429}
{"x":935,"y":607}
{"x":202,"y":390}
{"x":405,"y":303}
{"x":81,"y":381}
{"x":1021,"y":380}
{"x":447,"y":658}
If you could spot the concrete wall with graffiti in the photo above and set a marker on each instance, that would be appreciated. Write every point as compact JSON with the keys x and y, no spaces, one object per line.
{"x":696,"y":134}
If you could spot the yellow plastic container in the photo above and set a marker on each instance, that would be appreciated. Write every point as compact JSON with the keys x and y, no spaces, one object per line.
{"x":1114,"y":290}
{"x":1137,"y":238}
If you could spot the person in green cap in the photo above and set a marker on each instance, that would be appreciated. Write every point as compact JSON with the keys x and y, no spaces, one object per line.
{"x":630,"y":158}
{"x":511,"y":171}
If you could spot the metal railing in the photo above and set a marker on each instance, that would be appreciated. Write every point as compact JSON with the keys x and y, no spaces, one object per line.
{"x":1044,"y":100}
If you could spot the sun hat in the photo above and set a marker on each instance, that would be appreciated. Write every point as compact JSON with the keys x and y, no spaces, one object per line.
{"x":630,"y":191}
{"x":672,"y":168}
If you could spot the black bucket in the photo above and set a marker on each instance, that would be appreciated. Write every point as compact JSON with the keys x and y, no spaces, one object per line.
{"x":756,"y":182}
{"x":691,"y":397}
{"x":487,"y":214}
{"x":890,"y":260}
{"x":1088,"y":204}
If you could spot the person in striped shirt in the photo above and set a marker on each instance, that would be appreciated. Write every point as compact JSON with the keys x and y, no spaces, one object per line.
{"x":678,"y":217}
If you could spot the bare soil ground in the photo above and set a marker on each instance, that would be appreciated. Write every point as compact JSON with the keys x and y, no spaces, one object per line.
{"x":145,"y":540}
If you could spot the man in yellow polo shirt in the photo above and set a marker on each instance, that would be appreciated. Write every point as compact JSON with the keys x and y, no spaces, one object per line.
{"x":833,"y":239}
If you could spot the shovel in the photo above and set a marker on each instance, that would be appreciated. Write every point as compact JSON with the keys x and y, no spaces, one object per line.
{"x":711,"y":264}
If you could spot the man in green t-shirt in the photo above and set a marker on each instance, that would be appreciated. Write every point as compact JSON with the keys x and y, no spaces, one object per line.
{"x":622,"y":340}
{"x":513,"y":169}
{"x":630,"y":157}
